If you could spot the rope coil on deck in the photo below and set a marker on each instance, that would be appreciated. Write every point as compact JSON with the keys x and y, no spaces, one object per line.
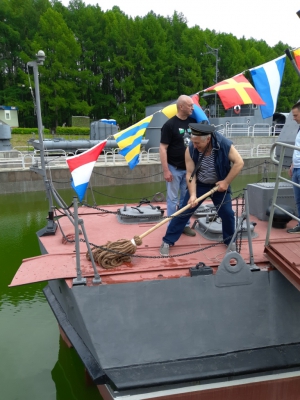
{"x":109,"y":256}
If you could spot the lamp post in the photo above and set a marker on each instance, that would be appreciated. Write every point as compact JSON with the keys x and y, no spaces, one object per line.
{"x":51,"y":225}
{"x":215,"y":53}
{"x":40,"y":58}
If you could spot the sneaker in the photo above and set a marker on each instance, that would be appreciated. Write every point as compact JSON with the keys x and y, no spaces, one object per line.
{"x":296,"y":229}
{"x":164,"y":249}
{"x":188,"y":231}
{"x":232,"y":247}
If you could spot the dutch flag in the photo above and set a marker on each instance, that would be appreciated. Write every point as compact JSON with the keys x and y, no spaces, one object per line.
{"x":81,"y":167}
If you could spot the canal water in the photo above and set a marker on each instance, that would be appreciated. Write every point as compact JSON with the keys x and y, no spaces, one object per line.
{"x":35,"y":364}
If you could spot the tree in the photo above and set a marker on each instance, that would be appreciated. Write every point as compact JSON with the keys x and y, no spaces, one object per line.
{"x":61,"y":77}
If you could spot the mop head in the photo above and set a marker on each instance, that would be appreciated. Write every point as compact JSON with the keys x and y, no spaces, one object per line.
{"x":114,"y":254}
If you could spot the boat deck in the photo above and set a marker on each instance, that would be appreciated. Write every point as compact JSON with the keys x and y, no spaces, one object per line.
{"x":143,"y":331}
{"x":146,"y":263}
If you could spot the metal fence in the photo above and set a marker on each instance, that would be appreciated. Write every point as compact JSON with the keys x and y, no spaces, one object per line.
{"x":15,"y":158}
{"x":240,"y":129}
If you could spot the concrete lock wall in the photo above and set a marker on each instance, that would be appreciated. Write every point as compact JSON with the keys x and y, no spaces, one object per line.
{"x":20,"y":180}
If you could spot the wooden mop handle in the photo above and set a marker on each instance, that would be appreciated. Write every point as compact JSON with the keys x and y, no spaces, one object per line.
{"x":213,"y":190}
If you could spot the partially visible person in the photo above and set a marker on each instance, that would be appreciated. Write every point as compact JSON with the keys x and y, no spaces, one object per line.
{"x":175,"y":135}
{"x":211,"y":160}
{"x":294,"y":171}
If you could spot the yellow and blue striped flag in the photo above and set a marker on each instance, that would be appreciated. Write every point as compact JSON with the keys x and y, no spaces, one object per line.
{"x":129,"y":141}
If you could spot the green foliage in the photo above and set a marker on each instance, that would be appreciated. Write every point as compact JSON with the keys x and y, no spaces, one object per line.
{"x":81,"y":121}
{"x":72,"y":131}
{"x":108,"y":65}
{"x":27,"y":131}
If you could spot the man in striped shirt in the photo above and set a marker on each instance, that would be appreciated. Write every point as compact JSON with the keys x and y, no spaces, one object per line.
{"x":211,"y":160}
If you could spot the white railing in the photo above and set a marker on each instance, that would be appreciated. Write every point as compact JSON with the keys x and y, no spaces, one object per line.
{"x":57,"y":158}
{"x":221,"y":129}
{"x":245,"y":150}
{"x":53,"y":157}
{"x":238,"y":130}
{"x":276,"y":129}
{"x":12,"y":159}
{"x":261,"y":130}
{"x":251,"y":130}
{"x":151,"y":155}
{"x":263,"y":150}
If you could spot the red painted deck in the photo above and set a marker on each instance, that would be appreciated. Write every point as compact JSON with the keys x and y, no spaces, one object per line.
{"x":102,"y":227}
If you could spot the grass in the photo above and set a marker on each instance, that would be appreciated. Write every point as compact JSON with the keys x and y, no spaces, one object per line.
{"x":22,"y":140}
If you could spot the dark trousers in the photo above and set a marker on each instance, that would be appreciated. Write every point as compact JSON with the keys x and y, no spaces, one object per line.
{"x":225,"y":212}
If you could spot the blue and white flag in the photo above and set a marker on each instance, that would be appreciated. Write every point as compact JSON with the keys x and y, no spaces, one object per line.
{"x":267,"y":81}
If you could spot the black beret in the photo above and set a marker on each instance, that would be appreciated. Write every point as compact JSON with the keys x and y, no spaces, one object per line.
{"x":201,"y":129}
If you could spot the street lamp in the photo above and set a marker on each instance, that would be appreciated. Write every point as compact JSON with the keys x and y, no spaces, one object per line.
{"x":215,"y":53}
{"x":51,"y":225}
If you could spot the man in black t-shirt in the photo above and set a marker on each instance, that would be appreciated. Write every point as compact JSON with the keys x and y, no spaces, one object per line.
{"x":175,"y":135}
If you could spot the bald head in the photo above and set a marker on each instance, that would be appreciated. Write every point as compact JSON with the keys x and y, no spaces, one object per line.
{"x":184,"y":106}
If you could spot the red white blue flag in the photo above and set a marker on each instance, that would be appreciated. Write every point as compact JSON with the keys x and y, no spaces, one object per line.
{"x":81,"y":167}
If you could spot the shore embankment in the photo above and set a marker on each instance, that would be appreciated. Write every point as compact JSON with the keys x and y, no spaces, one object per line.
{"x":20,"y":180}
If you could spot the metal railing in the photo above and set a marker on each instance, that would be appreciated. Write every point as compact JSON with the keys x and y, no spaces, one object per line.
{"x":261,"y":130}
{"x":57,"y":158}
{"x":240,"y":129}
{"x":279,"y":177}
{"x":15,"y":159}
{"x":263,"y":150}
{"x":53,"y":158}
{"x":245,"y":150}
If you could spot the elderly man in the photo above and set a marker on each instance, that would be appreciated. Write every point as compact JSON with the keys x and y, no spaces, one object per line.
{"x":210,"y":160}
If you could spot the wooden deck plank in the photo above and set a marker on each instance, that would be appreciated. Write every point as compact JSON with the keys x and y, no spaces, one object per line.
{"x":289,"y":251}
{"x":284,"y":256}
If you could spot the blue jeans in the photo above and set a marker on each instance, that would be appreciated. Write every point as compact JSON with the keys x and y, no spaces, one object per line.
{"x":296,"y":179}
{"x":177,"y":185}
{"x":225,"y":212}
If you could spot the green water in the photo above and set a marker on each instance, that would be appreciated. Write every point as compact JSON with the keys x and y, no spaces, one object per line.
{"x":35,"y":364}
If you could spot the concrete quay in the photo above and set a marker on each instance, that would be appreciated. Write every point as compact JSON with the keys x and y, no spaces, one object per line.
{"x":20,"y":180}
{"x":24,"y":180}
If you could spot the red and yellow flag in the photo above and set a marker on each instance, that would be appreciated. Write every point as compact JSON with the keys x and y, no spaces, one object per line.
{"x":296,"y":54}
{"x":236,"y":90}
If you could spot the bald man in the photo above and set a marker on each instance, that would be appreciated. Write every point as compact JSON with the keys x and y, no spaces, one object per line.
{"x":175,"y":137}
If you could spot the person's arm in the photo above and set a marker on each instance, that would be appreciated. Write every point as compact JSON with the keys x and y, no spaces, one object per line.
{"x":190,"y":165}
{"x":291,"y":170}
{"x":164,"y":162}
{"x":237,"y":165}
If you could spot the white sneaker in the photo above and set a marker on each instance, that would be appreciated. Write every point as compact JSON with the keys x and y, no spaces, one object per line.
{"x":164,"y":249}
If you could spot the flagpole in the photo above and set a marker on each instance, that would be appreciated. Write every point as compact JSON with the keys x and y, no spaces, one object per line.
{"x":214,"y":52}
{"x":288,"y":53}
